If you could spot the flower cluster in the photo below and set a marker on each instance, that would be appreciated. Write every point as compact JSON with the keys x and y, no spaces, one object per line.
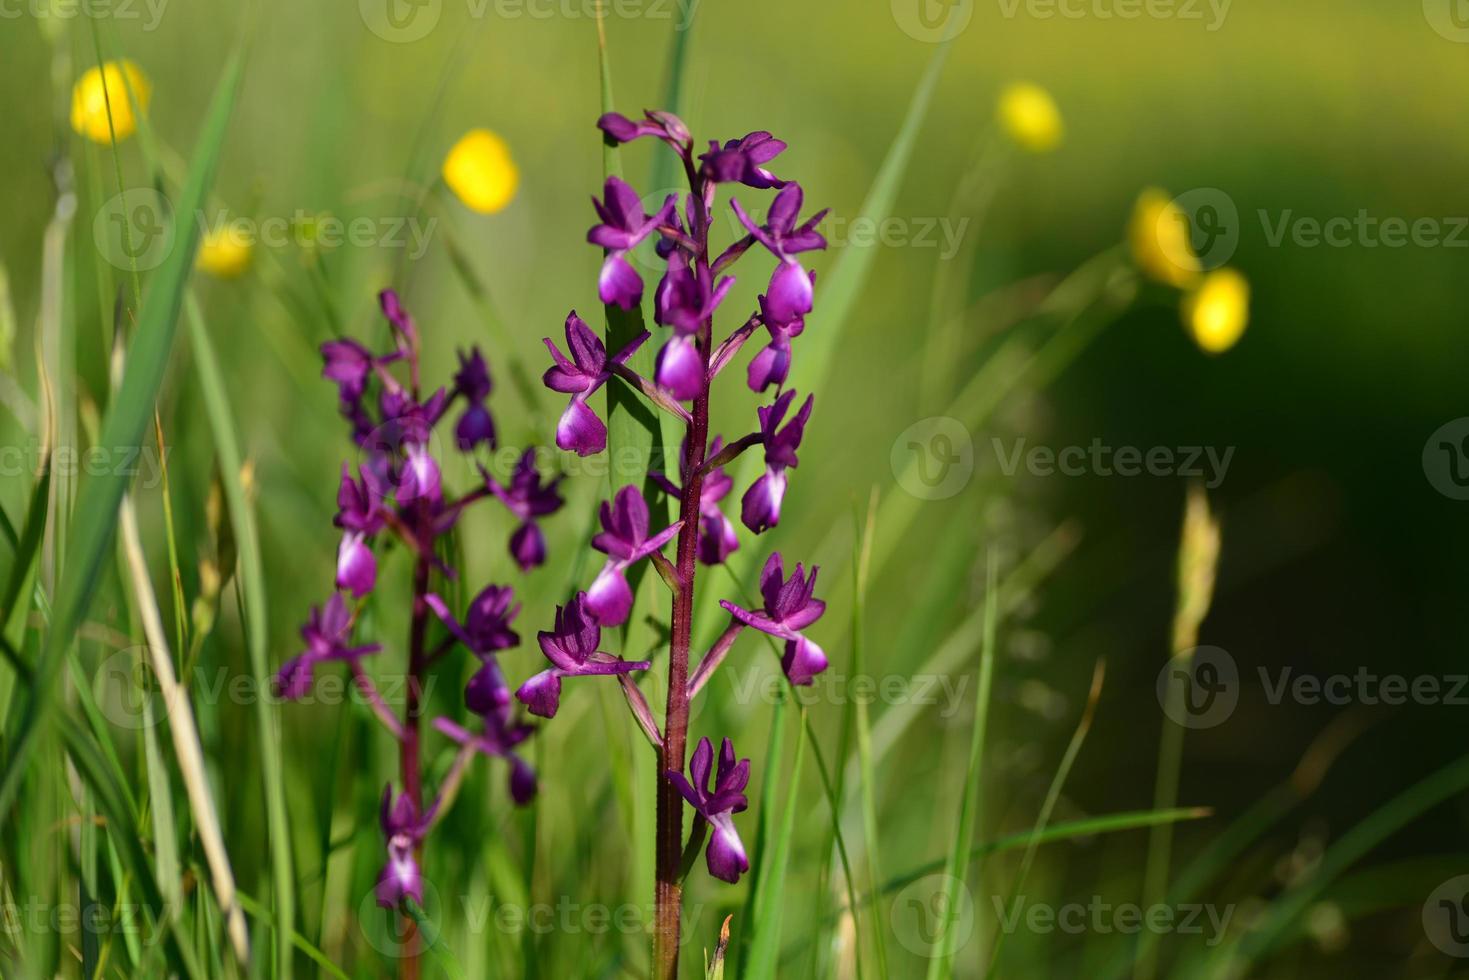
{"x":397,"y":496}
{"x":686,"y":301}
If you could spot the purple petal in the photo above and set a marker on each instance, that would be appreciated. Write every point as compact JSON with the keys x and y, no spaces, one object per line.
{"x":356,"y":565}
{"x":619,"y":283}
{"x":789,"y":295}
{"x":610,"y":599}
{"x":528,"y":546}
{"x":580,"y":431}
{"x":522,"y":781}
{"x":680,"y":369}
{"x":803,"y":660}
{"x":541,"y":694}
{"x":769,"y":367}
{"x":475,"y":426}
{"x":760,"y":506}
{"x":486,"y":693}
{"x":725,"y":855}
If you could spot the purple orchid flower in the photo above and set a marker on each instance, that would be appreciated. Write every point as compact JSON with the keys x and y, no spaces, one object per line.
{"x":401,"y":877}
{"x":485,"y":631}
{"x":789,"y":296}
{"x":527,"y":498}
{"x":624,"y":540}
{"x":349,"y":364}
{"x":572,"y":649}
{"x":742,"y":161}
{"x":717,"y":534}
{"x":760,"y":506}
{"x":360,"y":516}
{"x":773,"y":364}
{"x":472,"y":381}
{"x":623,"y":227}
{"x":789,"y":609}
{"x":663,"y":125}
{"x":684,"y":301}
{"x":326,"y":633}
{"x":580,"y":430}
{"x":398,"y":318}
{"x":725,"y":853}
{"x":497,"y":739}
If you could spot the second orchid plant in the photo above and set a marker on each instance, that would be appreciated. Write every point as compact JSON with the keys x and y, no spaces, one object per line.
{"x":398,"y":494}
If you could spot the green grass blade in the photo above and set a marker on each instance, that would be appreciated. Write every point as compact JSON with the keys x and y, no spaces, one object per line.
{"x":160,"y":806}
{"x":862,"y":723}
{"x":261,"y":914}
{"x":1350,"y":848}
{"x":252,"y":574}
{"x":124,"y":425}
{"x":770,"y":911}
{"x":28,"y":547}
{"x":958,"y":867}
{"x":1053,"y":793}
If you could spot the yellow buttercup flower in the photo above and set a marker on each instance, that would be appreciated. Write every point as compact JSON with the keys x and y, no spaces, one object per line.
{"x":126,"y":89}
{"x":480,"y":172}
{"x":1029,"y":116}
{"x":1159,"y":235}
{"x":223,"y":253}
{"x":1217,"y":312}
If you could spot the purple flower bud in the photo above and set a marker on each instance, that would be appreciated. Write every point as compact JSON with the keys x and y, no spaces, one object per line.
{"x":680,"y":369}
{"x":401,"y":322}
{"x":356,"y":565}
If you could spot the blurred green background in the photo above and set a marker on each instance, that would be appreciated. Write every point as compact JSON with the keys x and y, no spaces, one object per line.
{"x":1338,"y":552}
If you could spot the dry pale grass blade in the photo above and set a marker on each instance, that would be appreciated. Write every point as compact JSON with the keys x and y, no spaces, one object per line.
{"x":185,"y":736}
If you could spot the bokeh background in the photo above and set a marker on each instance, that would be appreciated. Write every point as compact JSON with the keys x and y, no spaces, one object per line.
{"x":1340,"y":551}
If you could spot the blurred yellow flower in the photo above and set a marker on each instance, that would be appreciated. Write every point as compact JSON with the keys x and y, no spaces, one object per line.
{"x":126,"y":88}
{"x":1029,"y":116}
{"x":1217,"y":312}
{"x":1159,"y":236}
{"x":223,"y":253}
{"x":480,"y":172}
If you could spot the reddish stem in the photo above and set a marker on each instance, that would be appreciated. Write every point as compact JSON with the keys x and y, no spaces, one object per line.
{"x":668,"y":888}
{"x":412,"y":770}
